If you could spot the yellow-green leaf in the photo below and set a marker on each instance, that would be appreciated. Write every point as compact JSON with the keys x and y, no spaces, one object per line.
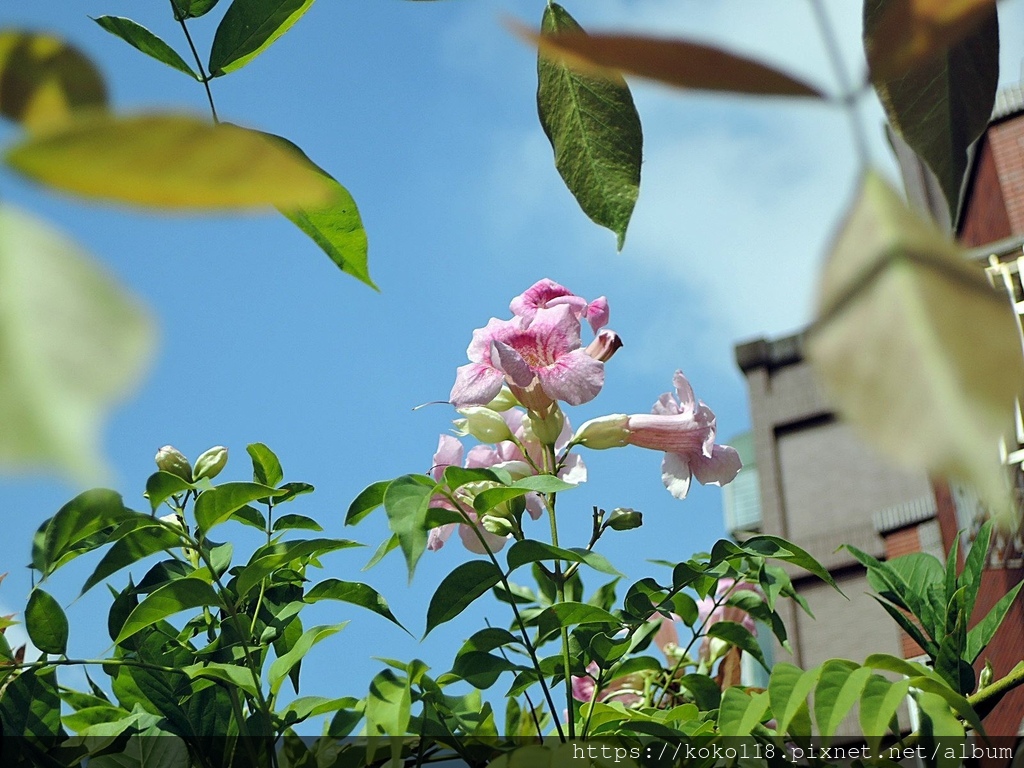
{"x":918,"y":352}
{"x":43,"y":79}
{"x":170,"y":161}
{"x":71,"y":344}
{"x":336,"y":228}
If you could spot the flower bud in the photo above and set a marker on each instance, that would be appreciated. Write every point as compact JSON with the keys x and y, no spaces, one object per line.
{"x":210,"y":464}
{"x":499,"y":526}
{"x":604,"y":345}
{"x":985,"y":678}
{"x":504,"y":400}
{"x":484,"y":424}
{"x":170,"y":459}
{"x":624,"y":519}
{"x":548,"y":428}
{"x":173,"y":519}
{"x":603,"y":432}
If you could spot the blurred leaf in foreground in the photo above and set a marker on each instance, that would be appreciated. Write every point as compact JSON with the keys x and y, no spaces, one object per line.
{"x":918,"y":352}
{"x":71,"y":343}
{"x":43,"y":79}
{"x":170,"y":161}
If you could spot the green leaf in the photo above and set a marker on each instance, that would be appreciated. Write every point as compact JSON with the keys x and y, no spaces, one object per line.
{"x":250,"y":516}
{"x":532,"y":551}
{"x":296,"y":522}
{"x":455,"y":477}
{"x":788,"y":689}
{"x":283,"y":665}
{"x":974,"y":564}
{"x":367,"y":501}
{"x":942,"y":104}
{"x":780,"y":549}
{"x":146,"y":538}
{"x":192,"y":9}
{"x":983,"y":632}
{"x":460,"y":588}
{"x":266,"y":468}
{"x":569,"y":613}
{"x":72,"y":342}
{"x":337,"y":228}
{"x":704,"y":690}
{"x":142,"y":39}
{"x":30,"y":707}
{"x":352,"y":592}
{"x":920,"y":571}
{"x":406,"y":502}
{"x":169,"y":161}
{"x":160,"y":486}
{"x":76,"y":522}
{"x":942,"y":722}
{"x":594,"y":130}
{"x":738,"y":635}
{"x":385,"y":547}
{"x":218,"y":504}
{"x":878,"y":706}
{"x":248,"y":28}
{"x":291,"y":552}
{"x":45,"y":622}
{"x":740,"y":712}
{"x":896,"y":289}
{"x":388,"y":705}
{"x":167,"y":600}
{"x":950,"y":697}
{"x":43,"y":80}
{"x":310,"y":706}
{"x":238,"y":677}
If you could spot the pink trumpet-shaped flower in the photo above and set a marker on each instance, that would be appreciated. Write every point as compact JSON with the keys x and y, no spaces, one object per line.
{"x":685,"y":429}
{"x":682,"y":427}
{"x":547,"y":293}
{"x":541,"y":359}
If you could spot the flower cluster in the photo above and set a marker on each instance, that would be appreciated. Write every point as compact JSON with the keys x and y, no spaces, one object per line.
{"x":509,"y":396}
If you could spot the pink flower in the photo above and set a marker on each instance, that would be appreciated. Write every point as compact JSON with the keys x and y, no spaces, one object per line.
{"x":541,"y":359}
{"x":621,"y":689}
{"x":503,"y":455}
{"x":449,"y":453}
{"x":547,"y":293}
{"x":685,"y":430}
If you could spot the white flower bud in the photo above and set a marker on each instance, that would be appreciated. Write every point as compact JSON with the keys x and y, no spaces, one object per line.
{"x":170,"y":459}
{"x":484,"y":424}
{"x":603,"y":432}
{"x":211,"y":462}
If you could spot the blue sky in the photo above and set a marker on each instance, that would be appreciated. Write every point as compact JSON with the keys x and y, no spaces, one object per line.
{"x":426,"y":112}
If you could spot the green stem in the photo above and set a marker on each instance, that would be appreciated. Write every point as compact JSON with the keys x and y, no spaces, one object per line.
{"x":550,"y":500}
{"x":515,"y":611}
{"x":97,"y":662}
{"x":697,"y":634}
{"x":203,"y":77}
